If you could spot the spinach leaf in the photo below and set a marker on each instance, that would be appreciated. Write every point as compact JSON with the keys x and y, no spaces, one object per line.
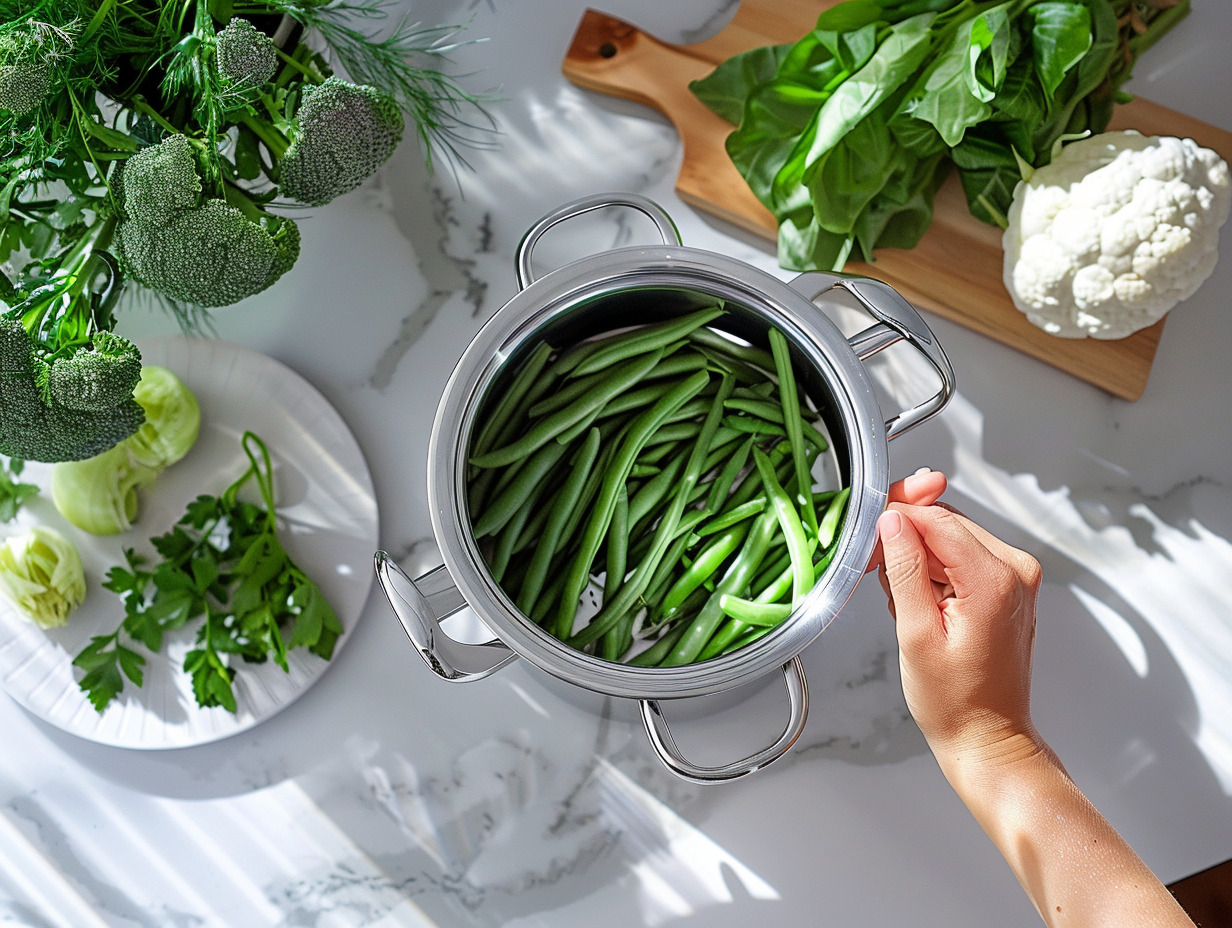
{"x":1060,"y":36}
{"x":846,"y":135}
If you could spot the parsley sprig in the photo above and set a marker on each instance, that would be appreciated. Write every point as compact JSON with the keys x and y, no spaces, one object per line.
{"x":221,"y":562}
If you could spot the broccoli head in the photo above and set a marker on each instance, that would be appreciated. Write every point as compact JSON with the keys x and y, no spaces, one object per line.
{"x":71,"y":408}
{"x":345,"y":132}
{"x":25,"y":68}
{"x":207,"y":252}
{"x":244,"y":55}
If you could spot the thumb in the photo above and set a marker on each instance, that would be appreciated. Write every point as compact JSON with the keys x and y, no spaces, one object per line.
{"x":906,"y":573}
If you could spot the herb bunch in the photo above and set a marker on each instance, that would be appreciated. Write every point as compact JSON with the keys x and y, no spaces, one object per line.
{"x":223,"y":563}
{"x":159,"y":148}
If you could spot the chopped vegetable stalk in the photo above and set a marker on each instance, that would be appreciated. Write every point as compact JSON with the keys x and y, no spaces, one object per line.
{"x":99,"y":494}
{"x":41,"y":573}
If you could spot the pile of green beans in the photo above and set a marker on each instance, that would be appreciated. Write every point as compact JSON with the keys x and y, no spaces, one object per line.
{"x":670,"y":461}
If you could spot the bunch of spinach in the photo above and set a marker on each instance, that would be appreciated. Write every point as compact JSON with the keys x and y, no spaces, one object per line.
{"x":846,"y":135}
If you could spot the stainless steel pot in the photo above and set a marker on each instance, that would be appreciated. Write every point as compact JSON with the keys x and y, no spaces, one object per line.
{"x":624,"y":287}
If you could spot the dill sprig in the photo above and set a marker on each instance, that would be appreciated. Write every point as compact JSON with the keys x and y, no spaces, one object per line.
{"x":447,"y":117}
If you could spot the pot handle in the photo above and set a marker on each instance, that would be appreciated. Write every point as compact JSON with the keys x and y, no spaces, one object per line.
{"x":665,"y":745}
{"x":420,"y":604}
{"x":663,"y":222}
{"x":897,"y":320}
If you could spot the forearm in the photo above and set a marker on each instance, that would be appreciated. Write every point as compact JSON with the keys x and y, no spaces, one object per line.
{"x":1074,"y":866}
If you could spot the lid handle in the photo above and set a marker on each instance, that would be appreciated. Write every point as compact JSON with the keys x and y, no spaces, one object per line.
{"x":420,"y":605}
{"x":663,"y":223}
{"x":897,"y":321}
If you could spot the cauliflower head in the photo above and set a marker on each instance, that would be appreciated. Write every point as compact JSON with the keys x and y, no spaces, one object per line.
{"x":1114,"y":232}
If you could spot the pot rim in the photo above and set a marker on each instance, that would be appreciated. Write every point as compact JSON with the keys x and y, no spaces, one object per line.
{"x":812,"y":334}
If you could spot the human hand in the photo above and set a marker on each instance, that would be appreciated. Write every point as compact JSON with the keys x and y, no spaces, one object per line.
{"x":923,"y":488}
{"x":964,"y":605}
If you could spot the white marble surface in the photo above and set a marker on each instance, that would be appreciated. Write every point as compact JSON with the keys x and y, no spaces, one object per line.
{"x":387,"y":797}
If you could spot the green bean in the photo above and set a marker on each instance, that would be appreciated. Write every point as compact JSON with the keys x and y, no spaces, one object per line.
{"x":617,"y":546}
{"x":654,"y":655}
{"x":759,"y":391}
{"x":751,"y":482}
{"x":670,"y":366}
{"x":735,"y":580}
{"x":790,"y":525}
{"x":643,"y":542}
{"x":774,"y":576}
{"x":613,"y":612}
{"x":731,"y":637}
{"x":762,"y":409}
{"x":749,"y":637}
{"x":507,"y":501}
{"x":789,"y":400}
{"x":829,"y":522}
{"x":647,"y":338}
{"x":566,"y":395}
{"x":652,"y":492}
{"x":705,"y":565}
{"x":725,"y":364}
{"x":725,"y":520}
{"x":533,"y":528}
{"x":589,"y":491}
{"x":503,"y":412}
{"x":662,"y":578}
{"x":508,"y":537}
{"x":749,"y":425}
{"x":758,"y":357}
{"x":754,"y":613}
{"x":546,"y":600}
{"x":681,"y":363}
{"x":550,"y":426}
{"x":764,"y":425}
{"x":575,"y":355}
{"x":565,"y":503}
{"x":674,"y":432}
{"x":643,"y":426}
{"x":722,"y":484}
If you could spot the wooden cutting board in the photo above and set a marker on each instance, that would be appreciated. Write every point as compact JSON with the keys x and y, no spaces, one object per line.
{"x":955,"y":270}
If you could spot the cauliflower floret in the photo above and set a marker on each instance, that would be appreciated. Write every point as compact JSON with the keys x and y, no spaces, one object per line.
{"x":1117,"y":230}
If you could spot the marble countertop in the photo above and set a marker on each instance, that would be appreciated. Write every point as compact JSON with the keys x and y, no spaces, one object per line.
{"x":386,"y":797}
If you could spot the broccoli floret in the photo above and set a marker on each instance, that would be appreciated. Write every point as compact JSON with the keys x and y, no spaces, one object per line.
{"x":73,"y":408}
{"x":25,"y":68}
{"x":345,"y":132}
{"x":244,"y":55}
{"x":160,"y":181}
{"x":96,"y":379}
{"x":202,"y":251}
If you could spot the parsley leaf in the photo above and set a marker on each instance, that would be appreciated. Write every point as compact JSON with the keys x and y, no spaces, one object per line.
{"x":224,"y":563}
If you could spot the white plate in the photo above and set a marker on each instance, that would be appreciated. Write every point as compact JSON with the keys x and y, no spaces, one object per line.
{"x":327,"y":520}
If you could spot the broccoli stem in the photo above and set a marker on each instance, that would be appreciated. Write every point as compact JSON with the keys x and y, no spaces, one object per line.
{"x":303,"y":67}
{"x":272,"y":139}
{"x":62,"y":317}
{"x":241,"y":201}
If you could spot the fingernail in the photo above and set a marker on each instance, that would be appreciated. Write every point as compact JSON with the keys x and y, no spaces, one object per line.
{"x":889,"y":524}
{"x":923,"y":470}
